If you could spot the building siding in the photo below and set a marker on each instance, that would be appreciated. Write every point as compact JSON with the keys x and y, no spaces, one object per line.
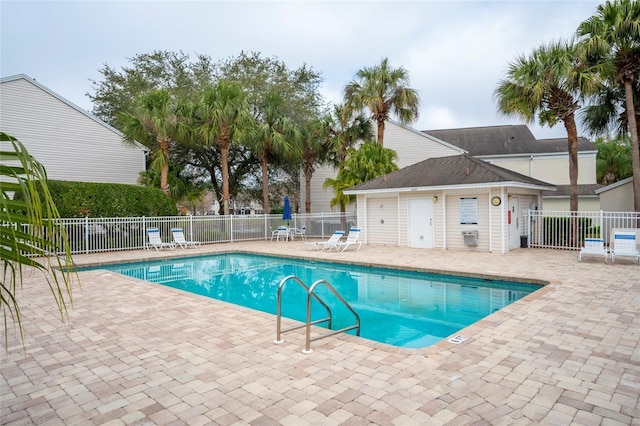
{"x":412,"y":147}
{"x":70,"y":145}
{"x":382,"y":220}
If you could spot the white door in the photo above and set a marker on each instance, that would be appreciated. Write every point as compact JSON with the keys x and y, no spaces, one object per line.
{"x":420,"y":223}
{"x":513,"y":218}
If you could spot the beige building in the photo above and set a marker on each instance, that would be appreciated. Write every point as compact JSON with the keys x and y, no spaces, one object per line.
{"x":512,"y":147}
{"x":457,"y":202}
{"x":72,"y":144}
{"x":617,"y":197}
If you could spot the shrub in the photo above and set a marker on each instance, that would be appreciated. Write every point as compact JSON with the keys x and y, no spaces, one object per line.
{"x":80,"y":199}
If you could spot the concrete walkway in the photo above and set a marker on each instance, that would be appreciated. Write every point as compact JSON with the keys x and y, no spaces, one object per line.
{"x":142,"y":354}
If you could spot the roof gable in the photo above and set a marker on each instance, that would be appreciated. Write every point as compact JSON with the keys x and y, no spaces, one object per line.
{"x":456,"y":170}
{"x":69,"y":103}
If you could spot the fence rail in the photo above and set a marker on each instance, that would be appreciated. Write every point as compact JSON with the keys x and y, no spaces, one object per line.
{"x":567,"y":230}
{"x":91,"y":235}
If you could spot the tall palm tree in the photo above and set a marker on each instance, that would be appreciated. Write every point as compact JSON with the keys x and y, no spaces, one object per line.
{"x":157,"y":121}
{"x":276,"y":136}
{"x":547,"y":84}
{"x":345,"y":130}
{"x":224,"y":115}
{"x":383,"y":90}
{"x":30,"y":236}
{"x":612,"y":37}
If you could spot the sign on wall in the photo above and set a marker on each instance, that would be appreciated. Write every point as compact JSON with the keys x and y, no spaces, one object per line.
{"x":469,"y":211}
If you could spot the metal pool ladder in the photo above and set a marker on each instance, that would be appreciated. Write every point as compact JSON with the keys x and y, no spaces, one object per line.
{"x":311,"y":294}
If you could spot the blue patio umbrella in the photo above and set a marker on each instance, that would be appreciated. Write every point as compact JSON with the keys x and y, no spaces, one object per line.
{"x":286,"y":211}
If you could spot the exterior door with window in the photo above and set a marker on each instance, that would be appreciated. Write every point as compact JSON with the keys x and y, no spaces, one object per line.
{"x":420,"y":230}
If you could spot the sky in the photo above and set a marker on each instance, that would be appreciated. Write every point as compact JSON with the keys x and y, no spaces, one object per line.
{"x":455,"y":52}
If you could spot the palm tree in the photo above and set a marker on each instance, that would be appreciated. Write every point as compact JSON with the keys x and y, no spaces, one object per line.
{"x":31,"y":236}
{"x":612,"y":37}
{"x":224,"y":118}
{"x":157,"y":121}
{"x":345,"y":130}
{"x":276,"y":136}
{"x":369,"y":161}
{"x":383,"y":90}
{"x":547,"y":83}
{"x":613,"y":162}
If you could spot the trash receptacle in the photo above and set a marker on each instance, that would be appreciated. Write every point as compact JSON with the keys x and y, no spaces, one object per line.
{"x":524,"y":241}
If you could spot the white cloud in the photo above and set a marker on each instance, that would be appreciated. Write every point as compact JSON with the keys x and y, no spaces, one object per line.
{"x":455,"y":51}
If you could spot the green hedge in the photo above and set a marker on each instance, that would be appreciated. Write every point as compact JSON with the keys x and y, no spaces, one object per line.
{"x":80,"y":199}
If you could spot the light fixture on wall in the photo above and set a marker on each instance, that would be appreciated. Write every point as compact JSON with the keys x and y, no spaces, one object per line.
{"x":435,"y":198}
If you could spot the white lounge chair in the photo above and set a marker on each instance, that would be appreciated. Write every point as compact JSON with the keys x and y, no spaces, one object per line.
{"x":332,"y":242}
{"x":593,"y":246}
{"x":156,"y":242}
{"x":352,"y":239}
{"x":624,"y":244}
{"x":179,"y":239}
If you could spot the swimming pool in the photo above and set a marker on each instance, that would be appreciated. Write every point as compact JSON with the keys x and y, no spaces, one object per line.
{"x":400,"y":308}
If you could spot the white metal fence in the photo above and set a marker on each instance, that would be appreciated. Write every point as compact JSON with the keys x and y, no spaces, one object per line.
{"x":553,"y":229}
{"x":90,"y":235}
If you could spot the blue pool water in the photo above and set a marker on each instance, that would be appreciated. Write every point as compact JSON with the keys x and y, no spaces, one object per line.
{"x":400,"y":308}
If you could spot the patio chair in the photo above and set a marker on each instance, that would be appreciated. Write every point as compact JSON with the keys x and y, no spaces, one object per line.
{"x":624,"y":244}
{"x":274,"y":233}
{"x":593,"y":246}
{"x":283,"y":233}
{"x":352,"y":239}
{"x":156,"y":242}
{"x":179,"y":239}
{"x":332,"y":242}
{"x":300,"y":232}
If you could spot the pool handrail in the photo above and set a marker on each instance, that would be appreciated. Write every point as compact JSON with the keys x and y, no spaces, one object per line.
{"x":311,"y":293}
{"x":279,"y":331}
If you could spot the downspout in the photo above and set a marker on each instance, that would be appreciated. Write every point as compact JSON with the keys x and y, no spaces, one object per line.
{"x":490,"y":223}
{"x":531,"y":166}
{"x":444,"y":221}
{"x":398,"y":224}
{"x":502,"y":221}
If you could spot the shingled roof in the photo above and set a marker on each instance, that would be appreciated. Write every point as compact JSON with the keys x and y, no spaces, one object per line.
{"x":504,"y":140}
{"x":456,"y":170}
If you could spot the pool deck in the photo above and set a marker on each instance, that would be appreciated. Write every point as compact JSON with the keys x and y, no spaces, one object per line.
{"x":143,"y":354}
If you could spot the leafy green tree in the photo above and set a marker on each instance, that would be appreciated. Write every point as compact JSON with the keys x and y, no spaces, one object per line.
{"x":175,"y":72}
{"x":158,"y":119}
{"x":31,"y":235}
{"x":383,"y":90}
{"x":224,"y":118}
{"x":276,"y":136}
{"x":369,"y":161}
{"x":613,"y":161}
{"x":548,"y":83}
{"x":612,"y":37}
{"x":259,"y":76}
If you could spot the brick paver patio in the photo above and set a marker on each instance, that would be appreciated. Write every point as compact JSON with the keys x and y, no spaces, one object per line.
{"x":138,"y":353}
